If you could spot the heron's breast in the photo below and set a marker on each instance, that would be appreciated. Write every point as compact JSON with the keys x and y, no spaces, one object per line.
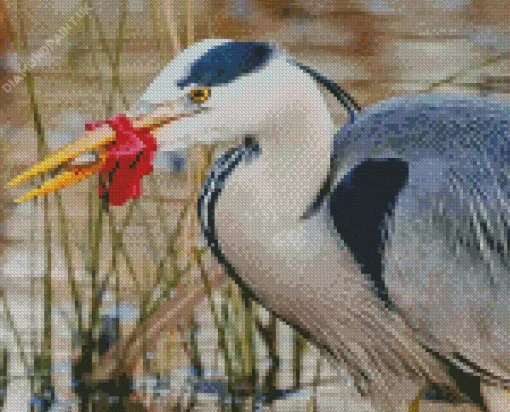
{"x":273,"y":252}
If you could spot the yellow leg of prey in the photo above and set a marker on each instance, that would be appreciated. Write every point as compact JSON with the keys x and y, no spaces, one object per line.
{"x":496,"y":399}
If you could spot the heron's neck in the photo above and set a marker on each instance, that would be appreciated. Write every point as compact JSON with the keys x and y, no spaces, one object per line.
{"x":295,"y":157}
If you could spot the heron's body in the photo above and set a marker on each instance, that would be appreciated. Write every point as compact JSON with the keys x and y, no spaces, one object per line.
{"x":387,"y":243}
{"x":304,"y":273}
{"x":302,"y":268}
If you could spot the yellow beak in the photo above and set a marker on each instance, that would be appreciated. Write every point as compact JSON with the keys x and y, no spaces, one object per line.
{"x":92,"y":141}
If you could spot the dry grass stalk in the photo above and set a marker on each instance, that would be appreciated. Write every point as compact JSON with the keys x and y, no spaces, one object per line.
{"x":167,"y":318}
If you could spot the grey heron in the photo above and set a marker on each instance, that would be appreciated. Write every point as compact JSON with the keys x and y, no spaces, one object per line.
{"x":386,"y":241}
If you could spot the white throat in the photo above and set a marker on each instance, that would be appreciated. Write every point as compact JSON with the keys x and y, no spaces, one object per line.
{"x":263,"y":200}
{"x":295,"y":160}
{"x":293,"y":164}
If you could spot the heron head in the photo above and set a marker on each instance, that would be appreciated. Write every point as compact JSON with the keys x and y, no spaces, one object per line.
{"x":216,"y":90}
{"x":224,"y":90}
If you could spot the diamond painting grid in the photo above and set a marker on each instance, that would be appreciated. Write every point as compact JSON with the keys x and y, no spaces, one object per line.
{"x":90,"y":60}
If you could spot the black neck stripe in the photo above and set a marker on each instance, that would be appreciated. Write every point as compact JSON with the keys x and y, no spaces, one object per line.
{"x":211,"y":190}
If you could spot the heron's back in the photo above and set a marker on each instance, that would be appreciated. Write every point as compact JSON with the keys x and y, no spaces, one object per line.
{"x":446,"y":257}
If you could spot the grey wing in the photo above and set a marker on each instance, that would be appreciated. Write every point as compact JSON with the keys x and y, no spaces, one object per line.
{"x":445,"y":246}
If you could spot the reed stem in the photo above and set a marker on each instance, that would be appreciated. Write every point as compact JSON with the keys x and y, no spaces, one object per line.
{"x":71,"y":273}
{"x":23,"y":48}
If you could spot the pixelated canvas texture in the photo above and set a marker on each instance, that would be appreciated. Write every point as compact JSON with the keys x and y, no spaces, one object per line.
{"x":255,"y":205}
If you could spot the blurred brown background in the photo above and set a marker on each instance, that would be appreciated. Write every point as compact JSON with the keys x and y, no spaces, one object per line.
{"x":99,"y":62}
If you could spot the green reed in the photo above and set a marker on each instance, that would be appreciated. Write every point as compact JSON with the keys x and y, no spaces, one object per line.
{"x":46,"y":348}
{"x":236,"y":319}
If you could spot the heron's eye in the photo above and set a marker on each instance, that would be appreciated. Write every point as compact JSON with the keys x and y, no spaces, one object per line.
{"x":200,"y":94}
